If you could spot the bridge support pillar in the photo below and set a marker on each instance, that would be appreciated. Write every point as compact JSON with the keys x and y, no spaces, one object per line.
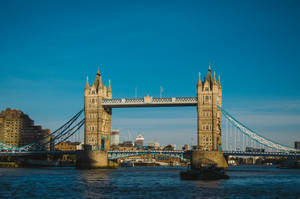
{"x":93,"y":160}
{"x":205,"y":158}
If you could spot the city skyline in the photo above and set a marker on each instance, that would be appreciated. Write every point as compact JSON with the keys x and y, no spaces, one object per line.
{"x":45,"y":59}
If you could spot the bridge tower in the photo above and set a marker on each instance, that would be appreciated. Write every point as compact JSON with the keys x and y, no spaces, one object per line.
{"x":97,"y":118}
{"x":209,"y":94}
{"x":209,"y":149}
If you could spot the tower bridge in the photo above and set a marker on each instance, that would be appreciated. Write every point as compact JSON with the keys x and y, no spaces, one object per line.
{"x":213,"y":135}
{"x":98,"y":105}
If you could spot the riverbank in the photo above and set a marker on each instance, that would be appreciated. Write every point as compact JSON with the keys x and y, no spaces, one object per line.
{"x":31,"y":163}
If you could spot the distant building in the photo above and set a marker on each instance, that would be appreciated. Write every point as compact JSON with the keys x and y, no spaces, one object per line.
{"x":68,"y":146}
{"x":126,"y":146}
{"x":115,"y":137}
{"x":185,"y":147}
{"x":139,"y":140}
{"x":297,"y":145}
{"x":154,"y":145}
{"x":169,"y":148}
{"x":17,"y":129}
{"x":127,"y":143}
{"x":80,"y":146}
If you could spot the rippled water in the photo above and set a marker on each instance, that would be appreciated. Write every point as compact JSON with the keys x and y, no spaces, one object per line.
{"x":146,"y":182}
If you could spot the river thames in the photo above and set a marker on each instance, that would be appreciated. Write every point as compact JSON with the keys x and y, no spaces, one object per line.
{"x":146,"y":182}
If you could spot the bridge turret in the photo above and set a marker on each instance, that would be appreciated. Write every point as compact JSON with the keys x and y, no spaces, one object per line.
{"x":209,"y":132}
{"x":199,"y":87}
{"x":87,"y":83}
{"x":97,"y":117}
{"x":215,"y":76}
{"x":87,"y":86}
{"x":109,"y":92}
{"x":199,"y":80}
{"x":104,"y":91}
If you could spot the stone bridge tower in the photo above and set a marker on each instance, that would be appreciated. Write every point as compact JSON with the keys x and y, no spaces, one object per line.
{"x":209,"y":149}
{"x":97,"y":118}
{"x":209,"y":94}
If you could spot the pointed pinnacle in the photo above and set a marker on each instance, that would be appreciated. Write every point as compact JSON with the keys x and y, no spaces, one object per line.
{"x":98,"y":72}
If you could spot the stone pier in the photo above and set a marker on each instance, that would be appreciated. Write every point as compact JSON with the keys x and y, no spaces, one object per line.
{"x":205,"y":158}
{"x":93,"y":160}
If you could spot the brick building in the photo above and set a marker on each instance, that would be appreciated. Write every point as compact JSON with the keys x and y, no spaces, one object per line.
{"x":17,"y":129}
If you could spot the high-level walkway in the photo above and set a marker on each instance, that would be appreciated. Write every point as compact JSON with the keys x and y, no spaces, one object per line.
{"x":150,"y":102}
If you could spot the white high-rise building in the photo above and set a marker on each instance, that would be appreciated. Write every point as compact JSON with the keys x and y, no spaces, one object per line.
{"x":115,"y":137}
{"x":139,"y":140}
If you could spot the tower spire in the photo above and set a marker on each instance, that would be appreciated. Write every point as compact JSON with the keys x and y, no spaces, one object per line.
{"x":109,"y":85}
{"x":109,"y":93}
{"x":98,"y":72}
{"x":87,"y":82}
{"x":209,"y":69}
{"x":199,"y":79}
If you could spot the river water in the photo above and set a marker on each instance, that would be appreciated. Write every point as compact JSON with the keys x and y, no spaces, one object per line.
{"x":146,"y":182}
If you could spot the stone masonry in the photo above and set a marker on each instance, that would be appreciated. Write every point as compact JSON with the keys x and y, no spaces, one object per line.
{"x":209,"y":94}
{"x":97,"y":118}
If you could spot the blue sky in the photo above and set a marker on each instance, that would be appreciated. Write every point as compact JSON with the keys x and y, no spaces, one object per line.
{"x":47,"y":48}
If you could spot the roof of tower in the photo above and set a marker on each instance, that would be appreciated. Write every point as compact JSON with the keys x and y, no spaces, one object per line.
{"x":209,"y":77}
{"x":98,"y":81}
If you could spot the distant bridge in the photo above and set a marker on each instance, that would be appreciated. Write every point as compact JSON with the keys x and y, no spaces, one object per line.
{"x":113,"y":155}
{"x":187,"y":154}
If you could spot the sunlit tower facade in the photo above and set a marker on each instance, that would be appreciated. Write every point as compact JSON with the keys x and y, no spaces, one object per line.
{"x":209,"y":94}
{"x":97,"y":128}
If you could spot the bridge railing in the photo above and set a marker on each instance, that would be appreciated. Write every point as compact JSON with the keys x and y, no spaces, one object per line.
{"x":154,"y":101}
{"x":186,"y":99}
